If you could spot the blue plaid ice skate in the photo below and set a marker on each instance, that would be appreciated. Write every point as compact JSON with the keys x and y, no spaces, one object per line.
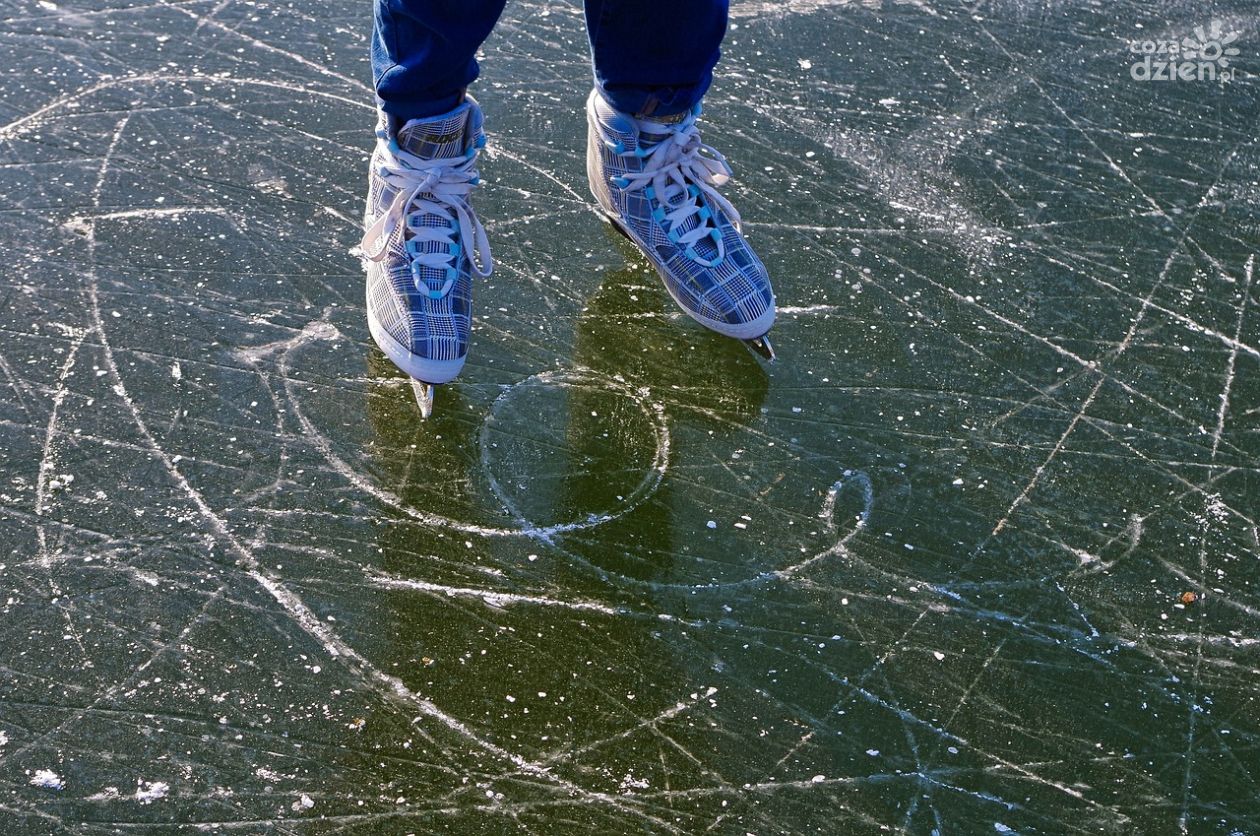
{"x":658,"y":183}
{"x":423,"y":242}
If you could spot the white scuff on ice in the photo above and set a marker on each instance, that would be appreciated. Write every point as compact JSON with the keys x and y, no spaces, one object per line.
{"x":47,"y":779}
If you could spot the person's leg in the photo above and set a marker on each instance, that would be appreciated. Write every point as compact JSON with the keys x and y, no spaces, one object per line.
{"x":655,"y":58}
{"x":422,"y":53}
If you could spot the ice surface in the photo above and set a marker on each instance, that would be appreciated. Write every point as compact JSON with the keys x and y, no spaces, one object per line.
{"x":979,"y":554}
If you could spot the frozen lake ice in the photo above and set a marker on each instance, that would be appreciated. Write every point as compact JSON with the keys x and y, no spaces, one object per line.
{"x":978,"y":554}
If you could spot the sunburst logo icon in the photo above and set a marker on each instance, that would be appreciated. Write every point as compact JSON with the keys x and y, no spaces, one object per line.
{"x":1210,"y":43}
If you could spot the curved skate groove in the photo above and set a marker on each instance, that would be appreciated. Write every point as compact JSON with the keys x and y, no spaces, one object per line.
{"x":654,"y":412}
{"x":828,"y":515}
{"x":787,"y":574}
{"x":324,"y":330}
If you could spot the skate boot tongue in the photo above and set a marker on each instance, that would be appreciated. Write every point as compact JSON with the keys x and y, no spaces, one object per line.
{"x":654,"y":129}
{"x":438,"y":138}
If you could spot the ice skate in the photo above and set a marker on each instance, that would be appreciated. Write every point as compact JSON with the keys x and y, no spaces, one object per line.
{"x":424,"y":244}
{"x":657,"y":184}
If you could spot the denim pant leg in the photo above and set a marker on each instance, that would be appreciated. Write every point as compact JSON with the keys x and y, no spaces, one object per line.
{"x":655,"y":57}
{"x":422,"y":53}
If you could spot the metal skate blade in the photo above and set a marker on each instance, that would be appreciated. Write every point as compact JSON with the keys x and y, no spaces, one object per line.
{"x":424,"y":397}
{"x":617,"y":226}
{"x":761,"y":346}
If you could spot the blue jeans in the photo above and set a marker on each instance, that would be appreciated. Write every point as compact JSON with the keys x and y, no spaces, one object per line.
{"x":651,"y":57}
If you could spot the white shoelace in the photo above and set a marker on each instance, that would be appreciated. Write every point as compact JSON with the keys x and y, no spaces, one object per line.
{"x":438,"y":187}
{"x":672,"y":166}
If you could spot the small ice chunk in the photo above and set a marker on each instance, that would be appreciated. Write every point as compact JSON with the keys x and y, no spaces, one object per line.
{"x":818,"y":779}
{"x":47,"y":779}
{"x":939,"y":656}
{"x":872,"y":752}
{"x":303,"y":803}
{"x":148,"y":792}
{"x":711,"y":524}
{"x":805,"y":63}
